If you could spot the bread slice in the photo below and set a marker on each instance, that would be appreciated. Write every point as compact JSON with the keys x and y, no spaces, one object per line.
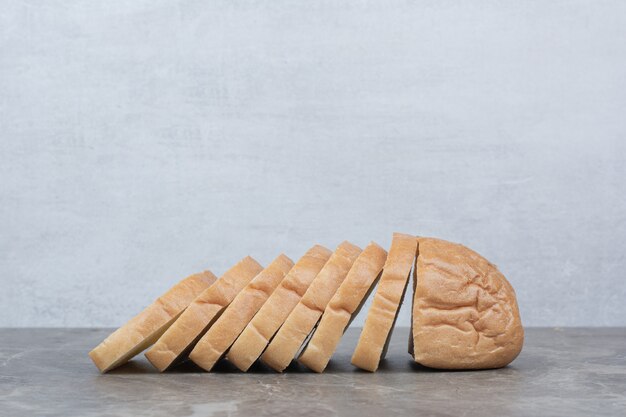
{"x":372,"y":345}
{"x":465,"y":313}
{"x":146,"y":327}
{"x":178,"y":340}
{"x":238,"y":314}
{"x":285,"y":345}
{"x":257,"y":334}
{"x":343,"y":307}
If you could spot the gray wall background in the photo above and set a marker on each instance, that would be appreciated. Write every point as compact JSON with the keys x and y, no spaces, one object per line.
{"x":143,"y":141}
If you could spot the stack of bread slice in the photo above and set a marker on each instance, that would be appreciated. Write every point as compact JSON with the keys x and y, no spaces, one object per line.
{"x":464,"y":312}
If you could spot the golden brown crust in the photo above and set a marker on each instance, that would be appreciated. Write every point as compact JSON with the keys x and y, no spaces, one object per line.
{"x":257,"y":334}
{"x":238,"y":314}
{"x":195,"y":320}
{"x":465,"y":313}
{"x":371,"y":347}
{"x":285,"y":345}
{"x":343,"y":307}
{"x":146,"y":327}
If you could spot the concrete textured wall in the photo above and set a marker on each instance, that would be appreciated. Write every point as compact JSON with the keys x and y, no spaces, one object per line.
{"x":142,"y":141}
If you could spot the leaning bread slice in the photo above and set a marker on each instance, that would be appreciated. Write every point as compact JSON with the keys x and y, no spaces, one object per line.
{"x":238,"y":314}
{"x":381,"y":317}
{"x":178,"y":340}
{"x":302,"y":320}
{"x":146,"y":327}
{"x":343,"y":307}
{"x":465,"y":313}
{"x":257,"y":334}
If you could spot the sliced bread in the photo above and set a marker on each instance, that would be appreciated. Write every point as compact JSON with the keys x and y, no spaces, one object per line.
{"x":285,"y":345}
{"x":178,"y":340}
{"x":238,"y":314}
{"x":146,"y":327}
{"x":465,"y":313}
{"x":372,"y":345}
{"x":343,"y":307}
{"x":257,"y":334}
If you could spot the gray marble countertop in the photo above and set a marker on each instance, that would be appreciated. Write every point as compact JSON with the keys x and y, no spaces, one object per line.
{"x":561,"y":372}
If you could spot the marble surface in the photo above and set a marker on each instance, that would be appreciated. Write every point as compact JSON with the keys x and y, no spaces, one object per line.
{"x":158,"y":138}
{"x":46,"y":372}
